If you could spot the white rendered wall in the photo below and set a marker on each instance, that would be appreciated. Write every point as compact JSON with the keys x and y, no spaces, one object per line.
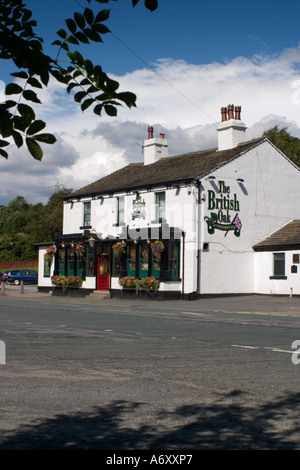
{"x":43,"y":281}
{"x":264,"y":270}
{"x":268,"y":199}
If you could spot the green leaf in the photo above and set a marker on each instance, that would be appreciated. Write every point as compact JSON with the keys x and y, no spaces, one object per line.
{"x":34,"y":148}
{"x":62,"y":34}
{"x":17,"y":138}
{"x":20,"y":74}
{"x":86,"y":104}
{"x":88,"y":67}
{"x":71,"y":86}
{"x":22,"y":122}
{"x":100,"y":28}
{"x":30,"y":95}
{"x":81,"y":37}
{"x":92,"y":35}
{"x":26,"y":110}
{"x":80,"y":21}
{"x":98,"y":109}
{"x":151,"y":4}
{"x":34,"y":82}
{"x":45,"y":76}
{"x":6,"y":128}
{"x":3,"y":153}
{"x":110,"y":110}
{"x":79,"y":96}
{"x":128,"y":98}
{"x":35,"y":127}
{"x":13,"y":89}
{"x":103,"y":15}
{"x":71,"y":25}
{"x":72,"y":40}
{"x":45,"y":138}
{"x":89,"y":16}
{"x":8,"y":104}
{"x":3,"y":143}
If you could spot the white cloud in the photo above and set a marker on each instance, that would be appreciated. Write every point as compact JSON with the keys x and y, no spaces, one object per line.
{"x":179,"y":99}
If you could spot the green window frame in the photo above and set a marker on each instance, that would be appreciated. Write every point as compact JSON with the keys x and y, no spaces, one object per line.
{"x":144,"y":260}
{"x":278,"y":266}
{"x":90,"y":262}
{"x":47,"y":268}
{"x":80,"y":260}
{"x":131,"y":260}
{"x":174,"y":260}
{"x":116,"y":261}
{"x":61,"y":261}
{"x":71,"y":261}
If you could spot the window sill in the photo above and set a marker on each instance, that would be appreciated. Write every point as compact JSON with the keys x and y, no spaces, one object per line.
{"x":278,"y":277}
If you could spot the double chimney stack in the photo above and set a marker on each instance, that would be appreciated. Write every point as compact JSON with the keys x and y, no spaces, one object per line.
{"x":231,"y":131}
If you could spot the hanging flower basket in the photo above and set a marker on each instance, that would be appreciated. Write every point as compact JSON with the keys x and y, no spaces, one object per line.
{"x":50,"y":253}
{"x":119,"y":248}
{"x":80,"y":249}
{"x":157,"y":247}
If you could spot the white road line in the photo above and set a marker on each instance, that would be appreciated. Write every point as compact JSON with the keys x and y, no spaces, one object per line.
{"x":194,"y":313}
{"x":265,"y":347}
{"x":280,"y":350}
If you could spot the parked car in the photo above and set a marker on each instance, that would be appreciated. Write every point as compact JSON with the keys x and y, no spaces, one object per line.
{"x":1,"y":276}
{"x":15,"y":276}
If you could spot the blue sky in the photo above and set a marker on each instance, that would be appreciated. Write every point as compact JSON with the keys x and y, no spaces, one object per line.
{"x":184,"y":61}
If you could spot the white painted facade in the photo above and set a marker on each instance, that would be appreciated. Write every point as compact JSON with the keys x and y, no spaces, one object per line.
{"x":260,"y":188}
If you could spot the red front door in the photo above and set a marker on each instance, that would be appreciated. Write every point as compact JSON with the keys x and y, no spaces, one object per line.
{"x":103,"y":273}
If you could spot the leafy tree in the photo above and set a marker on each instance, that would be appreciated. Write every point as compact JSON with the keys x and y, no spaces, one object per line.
{"x":22,"y":225}
{"x":288,"y":144}
{"x":19,"y":43}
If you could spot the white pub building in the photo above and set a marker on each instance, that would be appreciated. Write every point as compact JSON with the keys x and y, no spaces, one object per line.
{"x":228,"y":219}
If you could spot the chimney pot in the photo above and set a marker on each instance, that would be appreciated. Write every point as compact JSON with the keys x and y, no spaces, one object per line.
{"x":238,"y":113}
{"x":230,"y":111}
{"x":223,"y":114}
{"x":150,"y":132}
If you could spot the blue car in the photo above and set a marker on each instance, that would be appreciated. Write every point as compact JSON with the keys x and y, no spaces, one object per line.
{"x":28,"y":276}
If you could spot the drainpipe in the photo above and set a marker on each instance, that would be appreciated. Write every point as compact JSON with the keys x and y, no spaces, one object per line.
{"x":198,"y":181}
{"x":183,"y":264}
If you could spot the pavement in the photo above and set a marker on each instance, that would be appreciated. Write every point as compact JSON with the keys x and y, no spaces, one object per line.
{"x":259,"y":304}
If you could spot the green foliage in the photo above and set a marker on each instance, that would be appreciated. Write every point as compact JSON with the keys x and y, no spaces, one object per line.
{"x":22,"y":225}
{"x":92,"y":87}
{"x":288,"y":144}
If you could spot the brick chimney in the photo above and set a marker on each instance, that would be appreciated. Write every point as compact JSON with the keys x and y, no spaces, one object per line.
{"x":231,"y":131}
{"x":154,"y":148}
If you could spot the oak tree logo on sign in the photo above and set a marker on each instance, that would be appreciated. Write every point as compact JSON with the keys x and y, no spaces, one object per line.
{"x":222,"y":219}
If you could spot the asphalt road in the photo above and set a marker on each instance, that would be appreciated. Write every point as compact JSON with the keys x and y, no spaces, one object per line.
{"x":90,"y":374}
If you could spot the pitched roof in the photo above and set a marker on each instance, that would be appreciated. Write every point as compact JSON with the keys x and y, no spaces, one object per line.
{"x":286,"y":237}
{"x":165,"y":171}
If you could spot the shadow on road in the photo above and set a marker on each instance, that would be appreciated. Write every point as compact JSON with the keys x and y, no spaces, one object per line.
{"x":221,"y":425}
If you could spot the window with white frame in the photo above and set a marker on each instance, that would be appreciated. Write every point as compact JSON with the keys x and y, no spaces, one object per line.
{"x":86,"y":213}
{"x":160,"y":205}
{"x":120,"y":210}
